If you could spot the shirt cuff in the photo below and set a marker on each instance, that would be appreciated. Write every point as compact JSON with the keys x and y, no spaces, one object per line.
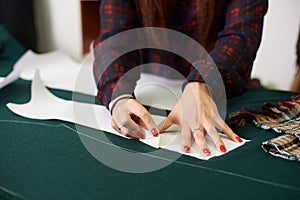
{"x":217,"y":78}
{"x":113,"y":90}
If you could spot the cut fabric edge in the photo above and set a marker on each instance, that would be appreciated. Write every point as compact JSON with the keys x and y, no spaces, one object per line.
{"x":273,"y":149}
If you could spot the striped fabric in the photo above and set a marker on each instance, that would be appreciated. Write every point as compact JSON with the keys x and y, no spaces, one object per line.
{"x":283,"y":118}
{"x":285,"y":146}
{"x":291,"y":126}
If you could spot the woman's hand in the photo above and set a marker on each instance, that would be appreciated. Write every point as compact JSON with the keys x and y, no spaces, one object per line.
{"x":129,"y":117}
{"x":197,"y":115}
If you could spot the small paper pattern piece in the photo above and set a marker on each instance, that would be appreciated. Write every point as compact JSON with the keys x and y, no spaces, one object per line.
{"x":44,"y":105}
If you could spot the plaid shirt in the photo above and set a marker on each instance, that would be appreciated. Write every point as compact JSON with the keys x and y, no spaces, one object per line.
{"x":234,"y":50}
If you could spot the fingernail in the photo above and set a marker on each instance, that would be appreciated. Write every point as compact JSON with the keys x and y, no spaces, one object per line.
{"x":239,"y":139}
{"x":187,"y":149}
{"x":141,"y":135}
{"x":222,"y":148}
{"x":206,"y":151}
{"x":154,"y":132}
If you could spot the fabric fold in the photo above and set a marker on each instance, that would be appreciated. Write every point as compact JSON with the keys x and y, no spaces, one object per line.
{"x":282,"y":117}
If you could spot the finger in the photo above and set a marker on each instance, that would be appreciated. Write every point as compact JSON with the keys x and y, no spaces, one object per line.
{"x":125,"y":131}
{"x":214,"y":135}
{"x":140,"y":111}
{"x":132,"y":129}
{"x":122,"y":130}
{"x":185,"y":138}
{"x":200,"y":142}
{"x":221,"y":146}
{"x":165,"y":124}
{"x":221,"y":125}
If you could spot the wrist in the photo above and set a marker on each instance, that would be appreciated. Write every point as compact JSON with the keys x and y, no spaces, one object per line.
{"x":113,"y":103}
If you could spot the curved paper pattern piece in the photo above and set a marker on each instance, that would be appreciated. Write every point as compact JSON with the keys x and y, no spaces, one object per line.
{"x":57,"y":70}
{"x":43,"y":105}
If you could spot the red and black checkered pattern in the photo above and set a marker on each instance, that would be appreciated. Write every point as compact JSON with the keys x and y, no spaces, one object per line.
{"x":234,"y":50}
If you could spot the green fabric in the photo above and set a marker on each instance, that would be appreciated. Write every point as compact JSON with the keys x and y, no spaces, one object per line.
{"x":47,"y":160}
{"x":10,"y":51}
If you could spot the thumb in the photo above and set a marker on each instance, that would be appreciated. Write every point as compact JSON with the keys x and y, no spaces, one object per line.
{"x":165,"y":124}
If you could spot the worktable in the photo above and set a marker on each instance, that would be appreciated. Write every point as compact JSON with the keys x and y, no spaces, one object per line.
{"x":47,"y":160}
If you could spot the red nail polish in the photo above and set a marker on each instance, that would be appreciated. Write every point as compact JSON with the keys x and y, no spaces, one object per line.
{"x":187,"y":149}
{"x":222,"y":148}
{"x":154,"y":132}
{"x":239,"y":139}
{"x":206,"y":151}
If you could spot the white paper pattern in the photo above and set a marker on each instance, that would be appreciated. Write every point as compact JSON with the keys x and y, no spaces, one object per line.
{"x":56,"y":68}
{"x":11,"y":77}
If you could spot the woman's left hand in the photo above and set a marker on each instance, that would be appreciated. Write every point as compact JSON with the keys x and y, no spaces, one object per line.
{"x":197,"y":115}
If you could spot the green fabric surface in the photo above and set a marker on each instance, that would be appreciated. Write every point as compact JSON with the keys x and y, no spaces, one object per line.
{"x":47,"y":160}
{"x":10,"y":51}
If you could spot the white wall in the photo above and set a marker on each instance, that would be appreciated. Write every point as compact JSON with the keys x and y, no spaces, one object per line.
{"x":275,"y":63}
{"x":59,"y":26}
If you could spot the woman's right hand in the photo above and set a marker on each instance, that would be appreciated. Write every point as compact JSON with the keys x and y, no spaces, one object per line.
{"x":129,"y":117}
{"x":197,"y":115}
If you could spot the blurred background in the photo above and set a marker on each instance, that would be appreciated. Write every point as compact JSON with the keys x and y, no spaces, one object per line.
{"x":67,"y":25}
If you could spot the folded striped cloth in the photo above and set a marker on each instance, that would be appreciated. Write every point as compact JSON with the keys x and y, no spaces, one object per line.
{"x":282,"y":117}
{"x":285,"y":146}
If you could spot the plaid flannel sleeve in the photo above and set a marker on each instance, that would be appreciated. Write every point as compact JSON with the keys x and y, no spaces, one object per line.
{"x":115,"y":17}
{"x":236,"y":47}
